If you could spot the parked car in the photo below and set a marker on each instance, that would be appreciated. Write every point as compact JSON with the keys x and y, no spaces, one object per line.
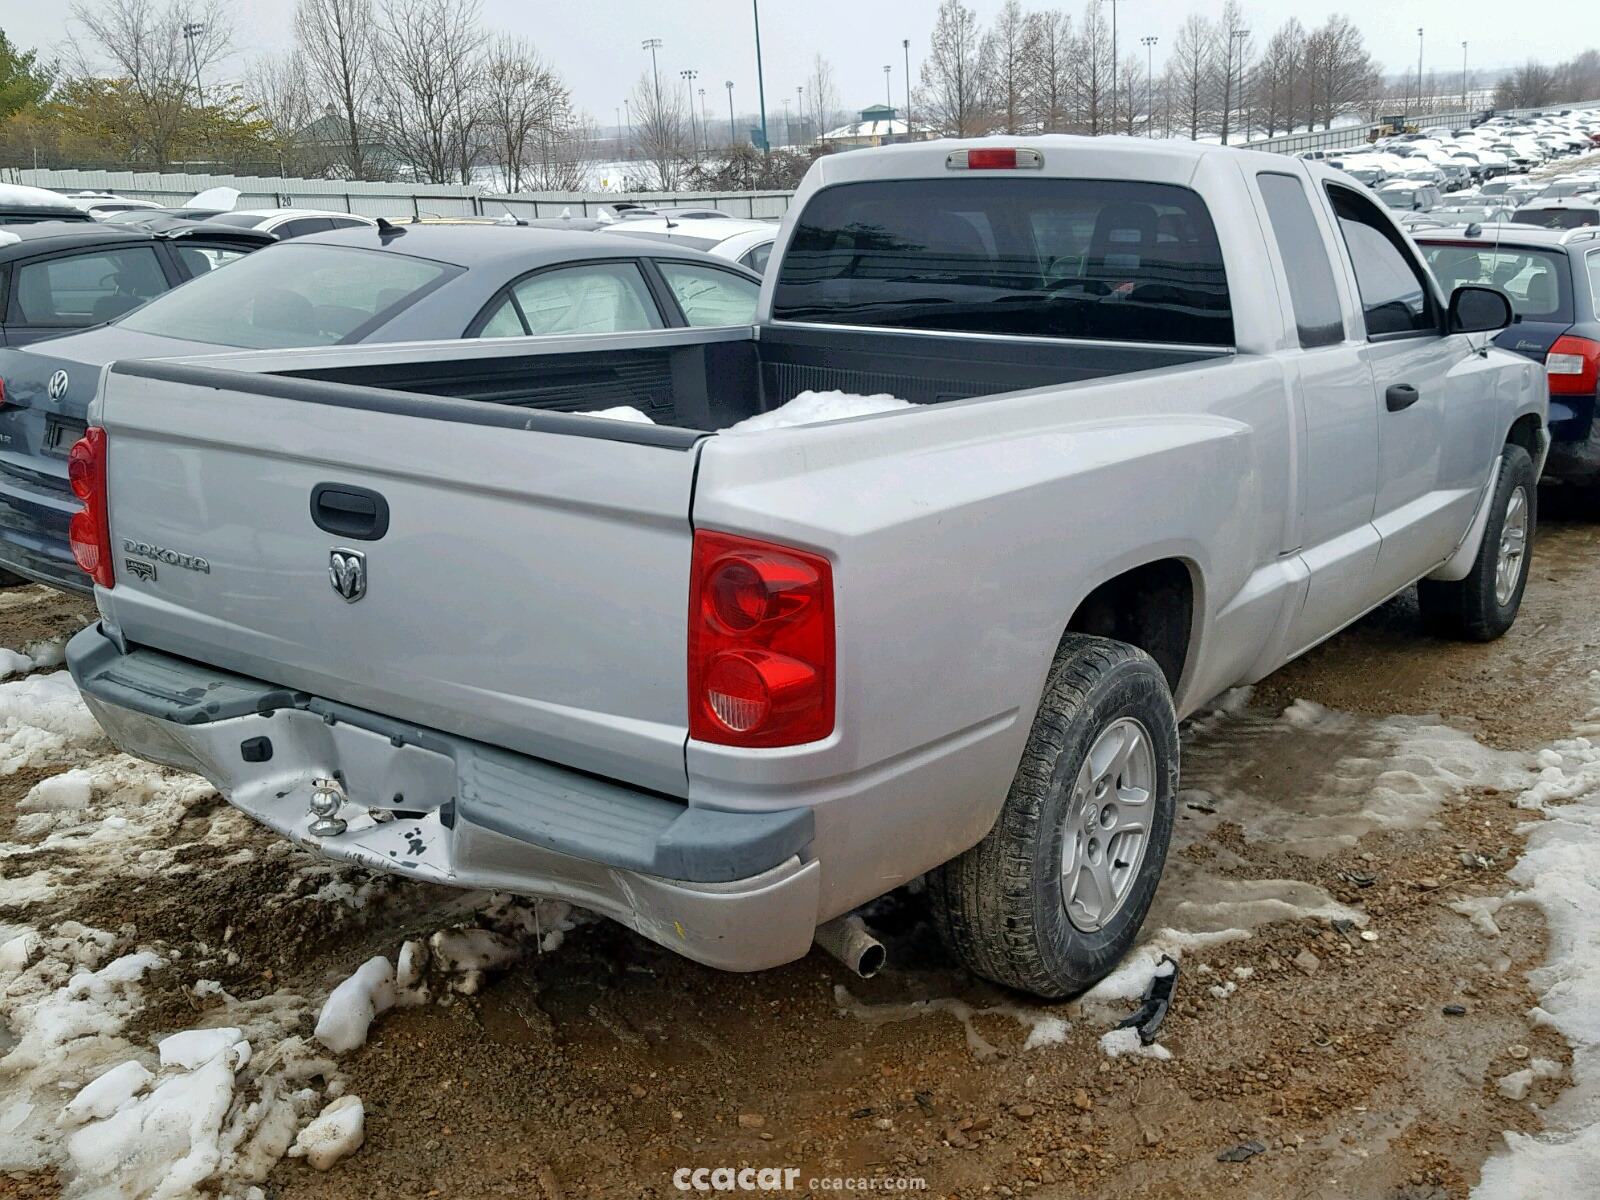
{"x":403,"y":283}
{"x":748,"y":243}
{"x":1558,"y":214}
{"x":61,"y":276}
{"x":1552,"y":278}
{"x":292,"y":222}
{"x":21,"y":205}
{"x":1166,"y":415}
{"x":100,"y":205}
{"x":1406,"y":196}
{"x":280,"y":222}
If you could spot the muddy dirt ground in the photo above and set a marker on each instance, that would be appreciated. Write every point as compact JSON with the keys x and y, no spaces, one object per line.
{"x":1325,"y":1040}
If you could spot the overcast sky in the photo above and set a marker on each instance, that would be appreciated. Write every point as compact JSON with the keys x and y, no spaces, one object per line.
{"x":596,"y":43}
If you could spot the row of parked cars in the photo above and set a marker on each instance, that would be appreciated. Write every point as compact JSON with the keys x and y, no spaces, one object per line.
{"x":1471,"y":174}
{"x":89,"y":279}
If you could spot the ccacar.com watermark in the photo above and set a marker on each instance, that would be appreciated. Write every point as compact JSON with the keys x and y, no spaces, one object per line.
{"x":788,"y":1179}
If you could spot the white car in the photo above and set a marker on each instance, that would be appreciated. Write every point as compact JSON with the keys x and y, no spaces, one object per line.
{"x":748,"y":243}
{"x":290,"y":222}
{"x":100,"y":204}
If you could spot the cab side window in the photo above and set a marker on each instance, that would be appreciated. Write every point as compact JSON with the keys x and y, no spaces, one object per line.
{"x":1396,"y":298}
{"x":1318,"y":317}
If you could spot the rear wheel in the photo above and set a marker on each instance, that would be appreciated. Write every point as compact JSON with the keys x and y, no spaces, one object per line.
{"x":10,"y":579}
{"x":1483,"y":606}
{"x":1053,"y":896}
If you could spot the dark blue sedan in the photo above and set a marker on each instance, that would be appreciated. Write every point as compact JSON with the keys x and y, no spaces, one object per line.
{"x":1552,"y":278}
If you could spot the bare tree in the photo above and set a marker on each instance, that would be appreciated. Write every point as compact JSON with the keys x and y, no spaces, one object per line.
{"x":1528,"y":86}
{"x":1233,"y":50}
{"x":1052,"y":55}
{"x":661,"y":129}
{"x":430,"y":60}
{"x":821,"y":97}
{"x":276,"y":86}
{"x":526,"y":109}
{"x":1580,"y":76}
{"x":1007,"y":56}
{"x":561,"y":157}
{"x":142,"y":44}
{"x":1341,"y":71}
{"x":1189,"y":75}
{"x":1279,"y":78}
{"x":1096,"y":106}
{"x":952,"y":98}
{"x":337,"y":43}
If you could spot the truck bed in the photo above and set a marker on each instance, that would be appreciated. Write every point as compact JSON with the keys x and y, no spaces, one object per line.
{"x":711,"y":379}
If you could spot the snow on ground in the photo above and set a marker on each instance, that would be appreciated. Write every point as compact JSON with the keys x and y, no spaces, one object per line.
{"x":812,"y":408}
{"x":1560,"y":873}
{"x":210,"y":1109}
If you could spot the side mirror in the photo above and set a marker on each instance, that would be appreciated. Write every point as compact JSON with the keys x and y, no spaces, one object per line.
{"x":1479,"y":310}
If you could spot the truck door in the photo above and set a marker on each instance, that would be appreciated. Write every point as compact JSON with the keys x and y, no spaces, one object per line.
{"x":1432,"y":408}
{"x":1338,"y":461}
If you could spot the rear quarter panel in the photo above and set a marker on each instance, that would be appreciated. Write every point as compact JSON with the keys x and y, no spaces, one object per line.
{"x":963,"y":539}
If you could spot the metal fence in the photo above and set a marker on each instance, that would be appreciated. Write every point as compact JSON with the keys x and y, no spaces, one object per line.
{"x":401,"y":201}
{"x":393,"y":200}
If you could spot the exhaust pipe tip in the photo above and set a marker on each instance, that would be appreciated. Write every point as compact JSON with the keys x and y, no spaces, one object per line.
{"x":848,"y":940}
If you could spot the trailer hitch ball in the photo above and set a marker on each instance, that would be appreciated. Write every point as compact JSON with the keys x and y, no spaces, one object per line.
{"x":327,"y":798}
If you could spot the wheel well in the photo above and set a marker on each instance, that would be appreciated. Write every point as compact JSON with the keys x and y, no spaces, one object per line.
{"x":1151,"y":607}
{"x":1525,"y":433}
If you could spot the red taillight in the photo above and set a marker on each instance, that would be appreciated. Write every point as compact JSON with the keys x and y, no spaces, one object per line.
{"x":2,"y":392}
{"x":760,"y":643}
{"x":1573,"y":366}
{"x":994,"y":158}
{"x":90,"y":531}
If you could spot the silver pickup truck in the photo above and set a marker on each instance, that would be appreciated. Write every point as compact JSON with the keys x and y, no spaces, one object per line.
{"x":1177,"y":414}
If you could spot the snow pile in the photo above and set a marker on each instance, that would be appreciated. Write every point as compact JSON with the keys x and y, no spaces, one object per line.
{"x":352,"y":1006}
{"x":813,"y":408}
{"x":337,"y":1132}
{"x":42,"y":720}
{"x":1126,"y":1041}
{"x":36,"y":656}
{"x":1560,"y":873}
{"x":622,"y":413}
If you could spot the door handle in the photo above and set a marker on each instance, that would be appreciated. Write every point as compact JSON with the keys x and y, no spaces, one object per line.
{"x":347,"y":511}
{"x":1400,"y":395}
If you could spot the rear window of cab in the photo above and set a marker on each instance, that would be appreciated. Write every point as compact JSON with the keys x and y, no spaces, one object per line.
{"x":1067,"y":258}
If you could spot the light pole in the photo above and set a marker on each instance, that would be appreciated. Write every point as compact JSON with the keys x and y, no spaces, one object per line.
{"x":800,"y":111}
{"x":1419,"y":68}
{"x":191,"y":33}
{"x":788,"y":125}
{"x":689,"y":76}
{"x":1113,"y":66}
{"x":905,"y":44}
{"x":761,"y":86}
{"x":888,"y":92}
{"x":705,"y":128}
{"x":1463,"y":77}
{"x":619,"y":133}
{"x":652,"y":45}
{"x":628,"y":110}
{"x":1149,"y":44}
{"x":1241,"y":35}
{"x":733,"y":134}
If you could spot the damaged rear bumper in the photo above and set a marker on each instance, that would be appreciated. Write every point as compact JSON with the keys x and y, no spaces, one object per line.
{"x":736,"y":890}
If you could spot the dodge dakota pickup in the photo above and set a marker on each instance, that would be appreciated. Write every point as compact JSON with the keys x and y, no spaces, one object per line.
{"x":1177,"y":413}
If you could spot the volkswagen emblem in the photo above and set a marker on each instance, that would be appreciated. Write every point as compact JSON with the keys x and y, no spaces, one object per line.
{"x":58,"y":385}
{"x":347,"y":571}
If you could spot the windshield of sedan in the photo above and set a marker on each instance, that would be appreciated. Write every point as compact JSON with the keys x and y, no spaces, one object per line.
{"x":1537,"y":282}
{"x":292,"y":294}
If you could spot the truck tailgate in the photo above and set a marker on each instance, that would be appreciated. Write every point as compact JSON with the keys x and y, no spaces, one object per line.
{"x":530,"y":589}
